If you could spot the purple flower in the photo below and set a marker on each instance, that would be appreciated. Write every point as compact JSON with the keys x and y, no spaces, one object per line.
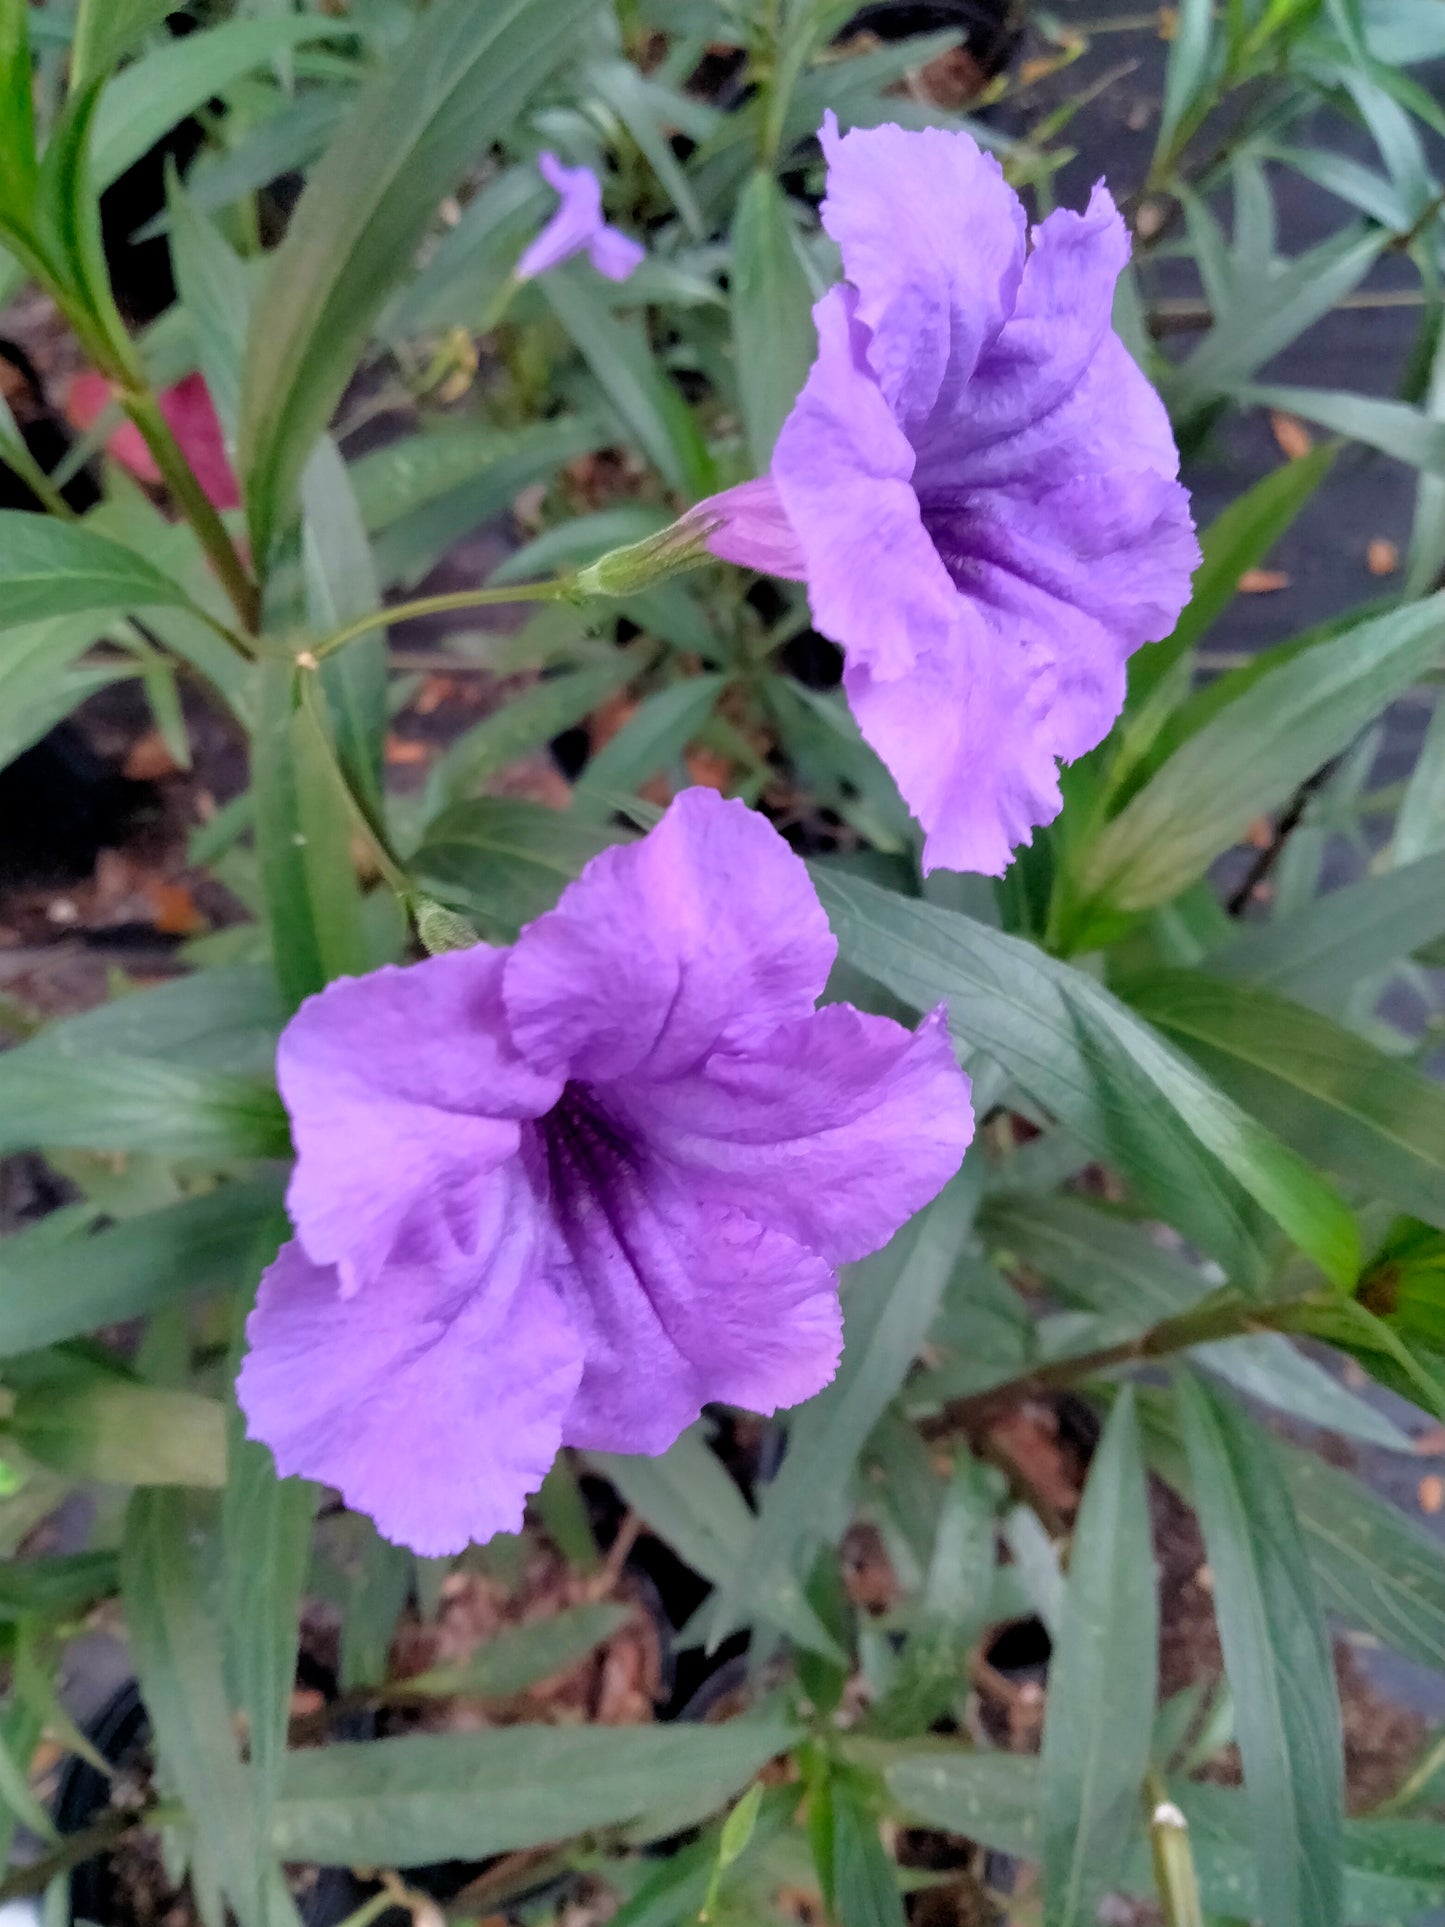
{"x":571,"y":1191}
{"x":576,"y":225}
{"x":977,"y":485}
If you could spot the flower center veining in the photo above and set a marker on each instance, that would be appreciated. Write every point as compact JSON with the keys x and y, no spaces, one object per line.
{"x":957,"y":536}
{"x":587,"y":1156}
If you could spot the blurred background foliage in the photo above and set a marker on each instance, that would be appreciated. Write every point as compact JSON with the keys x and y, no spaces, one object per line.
{"x":1071,"y":1597}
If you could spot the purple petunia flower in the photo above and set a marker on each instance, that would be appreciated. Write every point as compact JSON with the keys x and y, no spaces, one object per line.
{"x":576,"y":225}
{"x":572,"y":1191}
{"x":976,"y":483}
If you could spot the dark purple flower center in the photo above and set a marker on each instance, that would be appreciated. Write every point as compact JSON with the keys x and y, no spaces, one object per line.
{"x":585,"y":1153}
{"x":960,"y":539}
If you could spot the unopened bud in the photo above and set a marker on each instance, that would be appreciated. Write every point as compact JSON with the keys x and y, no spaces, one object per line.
{"x":682,"y":545}
{"x":441,"y":929}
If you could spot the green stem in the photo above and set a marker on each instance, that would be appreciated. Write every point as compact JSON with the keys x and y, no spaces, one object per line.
{"x":76,"y":1848}
{"x":1415,"y":1782}
{"x":1231,"y":1319}
{"x":180,"y":478}
{"x":41,"y":487}
{"x":1174,"y":1874}
{"x":560,"y":589}
{"x":387,"y":861}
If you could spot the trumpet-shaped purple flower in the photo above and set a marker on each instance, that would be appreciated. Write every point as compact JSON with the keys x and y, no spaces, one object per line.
{"x":571,"y":1191}
{"x":976,"y":483}
{"x":576,"y":225}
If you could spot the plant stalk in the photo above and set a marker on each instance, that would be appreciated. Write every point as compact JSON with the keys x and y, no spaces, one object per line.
{"x":180,"y":478}
{"x":559,"y":589}
{"x":1231,"y":1319}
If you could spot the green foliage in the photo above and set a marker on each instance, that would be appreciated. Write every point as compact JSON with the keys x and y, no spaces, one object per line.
{"x":1204,"y":1134}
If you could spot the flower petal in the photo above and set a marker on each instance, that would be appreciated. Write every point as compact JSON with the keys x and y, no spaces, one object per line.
{"x":965,"y":735}
{"x":1058,"y":326}
{"x":435,"y":1404}
{"x":615,"y":254}
{"x":753,"y":530}
{"x":843,"y":469}
{"x":932,"y":291}
{"x":404,"y":1091}
{"x":680,"y":1302}
{"x":575,"y":224}
{"x":706,"y":932}
{"x":1082,"y":573}
{"x":834,"y":1130}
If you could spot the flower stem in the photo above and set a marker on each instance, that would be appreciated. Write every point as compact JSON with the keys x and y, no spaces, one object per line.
{"x":558,"y":589}
{"x":1229,"y":1318}
{"x":180,"y":478}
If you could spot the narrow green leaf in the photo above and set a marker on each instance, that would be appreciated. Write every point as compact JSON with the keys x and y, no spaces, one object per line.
{"x":341,"y":587}
{"x":473,"y":259}
{"x":1420,"y":829}
{"x":177,"y":1655}
{"x":50,"y":568}
{"x":1266,"y":311}
{"x":1375,"y":1567}
{"x":774,"y":339}
{"x":159,"y":1258}
{"x":688,"y":1499}
{"x":1277,"y":1657}
{"x":1195,"y":1158}
{"x":105,"y":31}
{"x":445,"y":97}
{"x":1100,"y":1707}
{"x":265,"y":1540}
{"x":406,"y":1802}
{"x":504,"y":861}
{"x":1102,"y":1262}
{"x":888,"y":1308}
{"x":224,"y":1019}
{"x":17,"y":112}
{"x":650,"y":113}
{"x":1394,"y":427}
{"x":215,"y":289}
{"x":123,"y":1432}
{"x":1393,"y":1870}
{"x":152,"y":95}
{"x":520,"y":1657}
{"x":1191,"y":55}
{"x":1337,"y":1099}
{"x":526,"y":723}
{"x":1251,"y":756}
{"x":1322,"y":952}
{"x":655,"y":737}
{"x":486,"y":466}
{"x":18,"y":1798}
{"x":1239,"y":538}
{"x":303,"y":842}
{"x":64,"y":1586}
{"x":953,"y":1612}
{"x":134,"y":1104}
{"x":864,"y":1878}
{"x":381,"y":1576}
{"x":649,"y":405}
{"x":989,"y":1797}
